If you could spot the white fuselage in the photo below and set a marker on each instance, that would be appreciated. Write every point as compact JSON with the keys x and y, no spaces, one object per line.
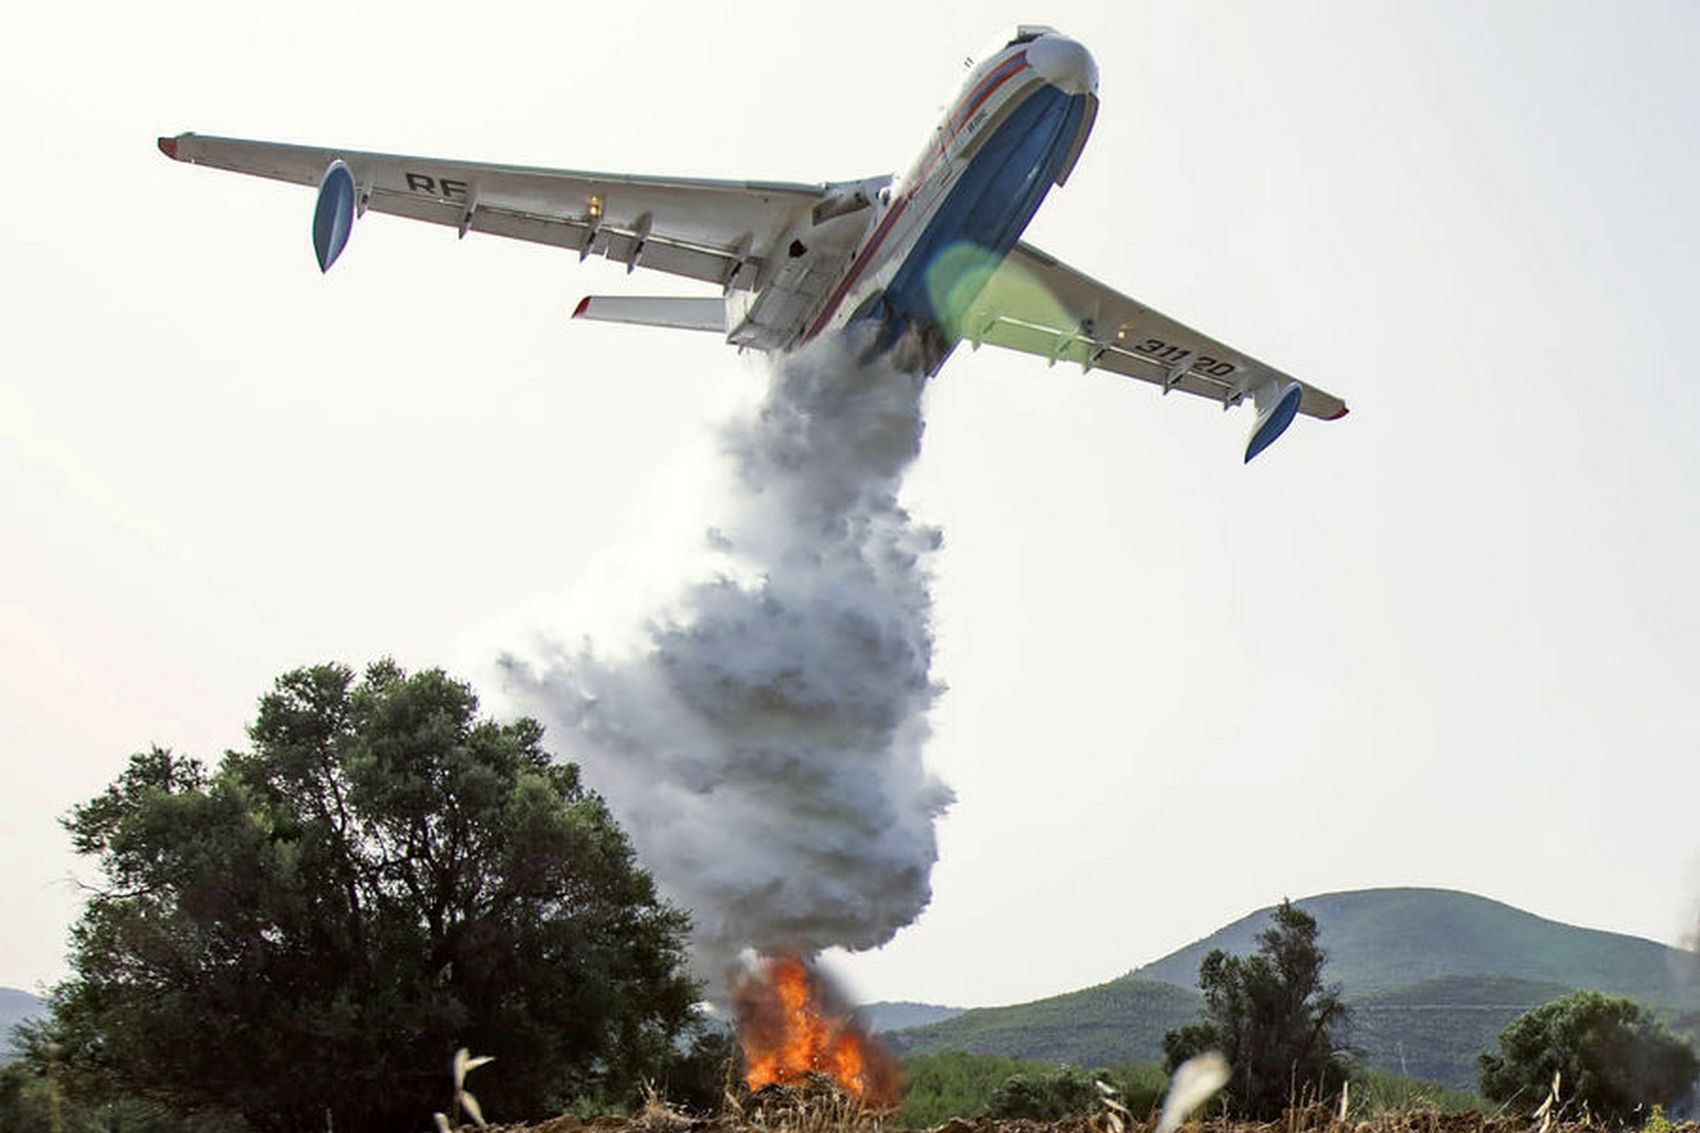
{"x":1016,"y":128}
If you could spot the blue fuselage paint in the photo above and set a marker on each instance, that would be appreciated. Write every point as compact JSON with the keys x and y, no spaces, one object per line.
{"x":993,"y":200}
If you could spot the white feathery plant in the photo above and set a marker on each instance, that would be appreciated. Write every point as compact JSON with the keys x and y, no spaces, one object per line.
{"x":1190,"y":1087}
{"x":1545,"y":1113}
{"x":1116,"y":1117}
{"x":464,"y":1064}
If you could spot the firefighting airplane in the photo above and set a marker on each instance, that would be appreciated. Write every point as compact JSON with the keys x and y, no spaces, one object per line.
{"x":924,"y":261}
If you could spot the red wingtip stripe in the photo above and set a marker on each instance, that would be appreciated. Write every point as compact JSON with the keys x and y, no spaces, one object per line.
{"x":582,"y":304}
{"x":168,"y":146}
{"x":1342,"y":413}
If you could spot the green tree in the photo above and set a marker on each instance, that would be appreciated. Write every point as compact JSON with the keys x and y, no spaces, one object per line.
{"x":1614,"y":1057}
{"x":308,"y":933}
{"x":1271,"y":1017}
{"x":1048,"y":1095}
{"x":33,"y":1099}
{"x":947,"y":1084}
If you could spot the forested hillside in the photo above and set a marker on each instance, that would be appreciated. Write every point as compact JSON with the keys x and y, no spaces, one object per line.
{"x":1431,"y":976}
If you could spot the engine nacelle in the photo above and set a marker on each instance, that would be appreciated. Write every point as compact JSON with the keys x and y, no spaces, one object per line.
{"x":333,"y":216}
{"x":1276,"y":407}
{"x":847,"y":197}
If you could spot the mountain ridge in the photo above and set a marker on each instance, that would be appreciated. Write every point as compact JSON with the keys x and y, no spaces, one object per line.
{"x":902,"y":1014}
{"x":16,"y":1006}
{"x":1416,"y":965}
{"x":1384,"y":938}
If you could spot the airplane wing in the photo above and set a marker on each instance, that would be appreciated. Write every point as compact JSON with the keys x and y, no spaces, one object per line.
{"x":1036,"y":304}
{"x":715,"y":231}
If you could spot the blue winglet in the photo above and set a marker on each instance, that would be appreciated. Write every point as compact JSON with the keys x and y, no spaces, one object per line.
{"x":333,"y":217}
{"x":1271,"y":425}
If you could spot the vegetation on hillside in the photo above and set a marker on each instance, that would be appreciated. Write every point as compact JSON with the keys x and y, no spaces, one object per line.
{"x":1272,"y":1017}
{"x":1380,"y":939}
{"x":33,"y":1101}
{"x":1119,"y":1022}
{"x":305,"y":935}
{"x":1431,"y":1028}
{"x":938,"y":1087}
{"x":15,"y":1007}
{"x":1611,"y":1057}
{"x":1375,"y":1093}
{"x":1437,"y":1029}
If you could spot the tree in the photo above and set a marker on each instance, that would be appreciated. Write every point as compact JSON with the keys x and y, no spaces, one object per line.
{"x":1613,"y":1056}
{"x":30,"y":1101}
{"x":953,"y":1083}
{"x":308,"y":933}
{"x":1271,"y":1017}
{"x":1047,"y":1095}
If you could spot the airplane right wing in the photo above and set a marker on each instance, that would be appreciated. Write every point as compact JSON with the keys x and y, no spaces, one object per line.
{"x":1036,"y":304}
{"x":716,"y":231}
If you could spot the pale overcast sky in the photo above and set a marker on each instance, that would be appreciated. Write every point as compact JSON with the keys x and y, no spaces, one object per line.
{"x":1451,"y":640}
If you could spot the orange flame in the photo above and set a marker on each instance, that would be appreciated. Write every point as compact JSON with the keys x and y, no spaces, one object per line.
{"x":788,"y":1034}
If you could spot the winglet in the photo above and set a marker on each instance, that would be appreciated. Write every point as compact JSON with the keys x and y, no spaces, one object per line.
{"x":583,"y":305}
{"x":1278,"y":408}
{"x":168,"y":146}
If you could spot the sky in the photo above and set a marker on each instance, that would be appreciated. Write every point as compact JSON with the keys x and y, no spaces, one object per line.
{"x":1450,"y":640}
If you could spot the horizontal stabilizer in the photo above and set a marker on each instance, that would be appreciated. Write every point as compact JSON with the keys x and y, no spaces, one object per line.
{"x":682,"y":313}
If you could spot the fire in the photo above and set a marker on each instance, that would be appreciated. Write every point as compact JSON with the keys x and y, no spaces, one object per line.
{"x":788,"y":1033}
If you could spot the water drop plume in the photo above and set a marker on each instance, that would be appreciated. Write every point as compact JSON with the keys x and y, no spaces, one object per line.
{"x":761,"y":736}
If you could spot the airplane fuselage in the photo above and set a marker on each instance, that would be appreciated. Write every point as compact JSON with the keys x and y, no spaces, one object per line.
{"x":932,"y":237}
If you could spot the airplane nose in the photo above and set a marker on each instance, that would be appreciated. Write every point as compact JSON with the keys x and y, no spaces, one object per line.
{"x":1063,"y":63}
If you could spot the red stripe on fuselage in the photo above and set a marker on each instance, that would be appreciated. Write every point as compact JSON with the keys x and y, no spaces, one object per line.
{"x":984,"y":91}
{"x":974,"y":100}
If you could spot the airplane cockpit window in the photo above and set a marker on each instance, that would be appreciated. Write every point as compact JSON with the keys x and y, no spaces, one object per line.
{"x":1024,"y":34}
{"x":1027,"y":34}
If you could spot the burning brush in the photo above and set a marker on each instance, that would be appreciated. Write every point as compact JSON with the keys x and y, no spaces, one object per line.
{"x":796,"y":1032}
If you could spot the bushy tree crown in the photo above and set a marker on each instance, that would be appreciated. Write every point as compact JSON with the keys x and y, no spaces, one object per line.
{"x":310,"y":931}
{"x":1270,"y":1015}
{"x":1611,"y":1055}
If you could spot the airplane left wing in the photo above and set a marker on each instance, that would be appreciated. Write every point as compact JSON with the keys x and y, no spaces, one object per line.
{"x":1036,"y":304}
{"x":716,"y":231}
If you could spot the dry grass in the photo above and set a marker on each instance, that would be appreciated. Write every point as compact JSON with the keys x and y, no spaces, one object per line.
{"x":809,"y":1112}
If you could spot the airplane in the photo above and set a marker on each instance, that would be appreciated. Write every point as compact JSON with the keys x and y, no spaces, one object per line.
{"x":922,"y":261}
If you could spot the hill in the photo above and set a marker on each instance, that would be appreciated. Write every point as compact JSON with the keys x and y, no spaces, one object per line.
{"x":1432,"y":976}
{"x":1121,"y":1021}
{"x":901,"y":1014}
{"x":1434,"y":1029}
{"x":15,"y":1007}
{"x":1379,"y":939}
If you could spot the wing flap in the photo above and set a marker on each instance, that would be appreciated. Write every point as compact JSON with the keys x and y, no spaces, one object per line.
{"x":1036,"y":304}
{"x":680,"y":313}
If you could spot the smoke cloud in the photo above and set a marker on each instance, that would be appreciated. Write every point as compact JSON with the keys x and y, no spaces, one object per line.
{"x":761,"y":737}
